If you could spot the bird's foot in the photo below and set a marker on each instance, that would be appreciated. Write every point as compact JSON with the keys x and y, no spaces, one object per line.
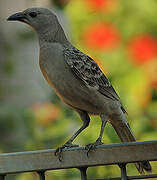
{"x":92,"y":146}
{"x":59,"y":150}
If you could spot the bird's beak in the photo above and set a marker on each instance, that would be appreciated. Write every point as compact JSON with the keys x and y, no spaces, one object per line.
{"x":18,"y":17}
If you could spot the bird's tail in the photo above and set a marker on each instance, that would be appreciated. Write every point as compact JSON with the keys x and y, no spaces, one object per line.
{"x":123,"y":130}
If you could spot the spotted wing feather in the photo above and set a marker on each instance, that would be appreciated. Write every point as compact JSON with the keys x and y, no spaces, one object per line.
{"x":86,"y":69}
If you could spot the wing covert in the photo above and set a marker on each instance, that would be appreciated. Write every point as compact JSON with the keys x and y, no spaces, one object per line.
{"x":86,"y":69}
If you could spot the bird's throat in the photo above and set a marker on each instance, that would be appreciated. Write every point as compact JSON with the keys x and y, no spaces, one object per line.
{"x":52,"y":35}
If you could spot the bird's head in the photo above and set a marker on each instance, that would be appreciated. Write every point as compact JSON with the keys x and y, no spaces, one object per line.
{"x":45,"y":23}
{"x":35,"y":17}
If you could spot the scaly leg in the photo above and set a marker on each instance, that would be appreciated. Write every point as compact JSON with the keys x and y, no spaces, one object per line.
{"x":92,"y":146}
{"x":86,"y":119}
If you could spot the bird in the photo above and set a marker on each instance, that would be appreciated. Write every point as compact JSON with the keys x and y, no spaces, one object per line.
{"x":77,"y":80}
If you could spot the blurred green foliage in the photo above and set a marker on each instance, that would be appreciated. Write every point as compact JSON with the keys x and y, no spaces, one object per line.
{"x":130,"y":65}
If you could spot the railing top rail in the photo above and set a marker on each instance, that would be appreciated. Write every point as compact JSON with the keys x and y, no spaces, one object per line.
{"x":43,"y":160}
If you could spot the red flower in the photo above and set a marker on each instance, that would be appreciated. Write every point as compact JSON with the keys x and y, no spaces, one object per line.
{"x":101,"y":36}
{"x":143,"y":49}
{"x":100,"y":5}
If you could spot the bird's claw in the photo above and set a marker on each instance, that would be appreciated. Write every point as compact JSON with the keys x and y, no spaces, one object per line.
{"x":58,"y":153}
{"x":92,"y":146}
{"x":59,"y":150}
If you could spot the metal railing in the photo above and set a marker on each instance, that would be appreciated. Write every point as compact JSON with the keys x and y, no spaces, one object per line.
{"x":44,"y":160}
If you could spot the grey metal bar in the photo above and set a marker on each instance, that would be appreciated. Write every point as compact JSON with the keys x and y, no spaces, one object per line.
{"x":83,"y":171}
{"x":2,"y":177}
{"x":76,"y":157}
{"x":42,"y":175}
{"x":143,"y":177}
{"x":131,"y":177}
{"x":123,"y":171}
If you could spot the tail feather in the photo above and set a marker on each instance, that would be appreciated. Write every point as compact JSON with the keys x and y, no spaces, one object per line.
{"x":123,"y":130}
{"x":143,"y":166}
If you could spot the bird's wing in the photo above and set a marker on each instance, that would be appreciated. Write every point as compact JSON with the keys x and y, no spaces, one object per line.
{"x":86,"y":69}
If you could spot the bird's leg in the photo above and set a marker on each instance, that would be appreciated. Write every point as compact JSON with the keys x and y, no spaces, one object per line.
{"x":92,"y":146}
{"x":85,"y":118}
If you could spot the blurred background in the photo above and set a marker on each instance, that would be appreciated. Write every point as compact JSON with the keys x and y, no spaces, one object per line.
{"x":120,"y":35}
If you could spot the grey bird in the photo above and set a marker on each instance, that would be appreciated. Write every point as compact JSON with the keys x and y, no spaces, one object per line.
{"x":77,"y":79}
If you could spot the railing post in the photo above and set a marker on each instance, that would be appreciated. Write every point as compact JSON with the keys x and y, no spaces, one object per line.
{"x":41,"y":174}
{"x":83,"y":172}
{"x":2,"y":177}
{"x":123,"y":171}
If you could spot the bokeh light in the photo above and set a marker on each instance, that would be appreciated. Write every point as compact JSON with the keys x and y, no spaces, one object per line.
{"x":101,"y":5}
{"x":101,"y":36}
{"x":143,"y":48}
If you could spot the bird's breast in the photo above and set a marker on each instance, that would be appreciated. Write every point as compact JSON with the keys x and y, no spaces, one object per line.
{"x":73,"y":91}
{"x":67,"y":85}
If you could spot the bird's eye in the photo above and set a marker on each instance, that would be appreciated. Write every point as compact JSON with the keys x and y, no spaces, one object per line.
{"x":33,"y":14}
